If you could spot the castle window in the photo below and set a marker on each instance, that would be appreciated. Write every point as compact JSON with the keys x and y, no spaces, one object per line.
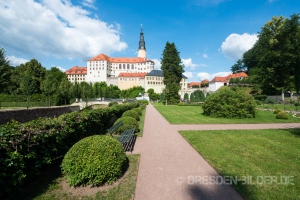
{"x":128,"y":66}
{"x":123,"y":66}
{"x":132,"y":67}
{"x":120,"y":66}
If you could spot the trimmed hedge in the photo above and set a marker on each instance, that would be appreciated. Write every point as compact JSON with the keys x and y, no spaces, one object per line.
{"x":131,"y":113}
{"x":138,"y":110}
{"x":128,"y":123}
{"x":26,"y":148}
{"x":94,"y":160}
{"x":282,"y":115}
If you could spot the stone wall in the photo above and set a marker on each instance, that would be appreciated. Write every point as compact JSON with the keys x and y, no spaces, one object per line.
{"x":24,"y":115}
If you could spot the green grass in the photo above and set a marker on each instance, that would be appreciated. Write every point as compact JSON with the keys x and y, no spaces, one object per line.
{"x":193,"y":115}
{"x":141,"y":123}
{"x":47,"y":187}
{"x":253,"y":153}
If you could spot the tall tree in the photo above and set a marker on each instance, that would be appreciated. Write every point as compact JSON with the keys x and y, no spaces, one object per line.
{"x":65,"y":89}
{"x":274,"y":59}
{"x":172,"y":68}
{"x":239,"y":66}
{"x":28,"y":85}
{"x":5,"y":72}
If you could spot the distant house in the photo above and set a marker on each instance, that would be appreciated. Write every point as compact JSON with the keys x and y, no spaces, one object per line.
{"x":77,"y":74}
{"x":219,"y":81}
{"x":197,"y":84}
{"x":129,"y":80}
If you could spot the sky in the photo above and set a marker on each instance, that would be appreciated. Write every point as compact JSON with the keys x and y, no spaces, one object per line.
{"x":211,"y":35}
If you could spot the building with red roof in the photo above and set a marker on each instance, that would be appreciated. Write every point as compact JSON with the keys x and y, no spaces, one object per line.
{"x":219,"y":81}
{"x":76,"y":74}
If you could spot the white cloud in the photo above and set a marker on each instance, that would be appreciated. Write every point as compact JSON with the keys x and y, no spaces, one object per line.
{"x":14,"y":61}
{"x":205,"y":55}
{"x":189,"y":63}
{"x":188,"y":74}
{"x":60,"y":68}
{"x":56,"y":28}
{"x":235,"y":45}
{"x":157,"y":64}
{"x":89,"y":3}
{"x":205,"y":75}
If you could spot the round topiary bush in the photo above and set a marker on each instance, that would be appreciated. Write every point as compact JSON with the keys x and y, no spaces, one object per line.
{"x":128,"y":123}
{"x":137,"y":110}
{"x":94,"y":160}
{"x":230,"y":103}
{"x":131,"y":113}
{"x":276,"y":111}
{"x":282,"y":115}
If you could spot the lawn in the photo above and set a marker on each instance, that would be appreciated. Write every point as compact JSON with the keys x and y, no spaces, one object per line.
{"x":260,"y":155}
{"x":49,"y":186}
{"x":193,"y":115}
{"x":141,"y":123}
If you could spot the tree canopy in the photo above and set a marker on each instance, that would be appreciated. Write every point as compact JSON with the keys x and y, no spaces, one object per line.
{"x":274,"y":61}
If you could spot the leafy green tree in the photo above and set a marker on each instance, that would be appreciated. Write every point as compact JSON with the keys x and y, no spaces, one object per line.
{"x":28,"y":86}
{"x":186,"y":96}
{"x":172,"y":68}
{"x":5,"y":72}
{"x":50,"y":85}
{"x":273,"y":62}
{"x":76,"y":90}
{"x":239,"y":66}
{"x":65,"y":89}
{"x":35,"y":69}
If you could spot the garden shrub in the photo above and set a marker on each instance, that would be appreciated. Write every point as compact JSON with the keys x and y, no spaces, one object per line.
{"x":282,"y":115}
{"x":230,"y":103}
{"x":94,"y":160}
{"x":28,"y":147}
{"x":137,"y":110}
{"x":180,"y":104}
{"x":128,"y":123}
{"x":132,"y":113}
{"x":276,"y":111}
{"x":112,"y":104}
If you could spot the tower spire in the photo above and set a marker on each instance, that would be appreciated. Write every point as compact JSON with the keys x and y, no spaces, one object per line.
{"x":142,"y":45}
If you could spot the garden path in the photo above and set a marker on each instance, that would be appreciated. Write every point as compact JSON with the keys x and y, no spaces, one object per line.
{"x":170,"y":168}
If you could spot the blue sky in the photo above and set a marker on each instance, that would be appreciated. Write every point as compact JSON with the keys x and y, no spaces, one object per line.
{"x":209,"y":34}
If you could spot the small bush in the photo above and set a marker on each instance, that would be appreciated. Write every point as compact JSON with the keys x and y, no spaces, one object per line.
{"x":112,"y":104}
{"x":137,"y":110}
{"x":94,"y":160}
{"x":142,"y":107}
{"x":131,"y":113}
{"x":230,"y":103}
{"x":282,"y":115}
{"x":276,"y":111}
{"x":128,"y":123}
{"x":180,"y":104}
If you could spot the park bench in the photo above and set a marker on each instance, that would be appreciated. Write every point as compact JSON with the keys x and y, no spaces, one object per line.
{"x":126,"y":138}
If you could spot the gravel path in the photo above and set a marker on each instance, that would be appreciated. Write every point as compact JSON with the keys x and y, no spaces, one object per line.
{"x":170,"y":168}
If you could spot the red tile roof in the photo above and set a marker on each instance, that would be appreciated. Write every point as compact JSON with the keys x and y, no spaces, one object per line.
{"x":191,"y":84}
{"x":77,"y":70}
{"x":140,"y":75}
{"x":119,"y":60}
{"x":205,"y":81}
{"x":225,"y":79}
{"x":237,"y":75}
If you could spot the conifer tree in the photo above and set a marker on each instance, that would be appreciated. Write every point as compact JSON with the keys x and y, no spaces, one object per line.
{"x":172,"y":68}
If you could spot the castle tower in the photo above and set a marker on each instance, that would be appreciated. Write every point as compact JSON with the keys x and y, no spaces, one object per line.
{"x":142,"y":45}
